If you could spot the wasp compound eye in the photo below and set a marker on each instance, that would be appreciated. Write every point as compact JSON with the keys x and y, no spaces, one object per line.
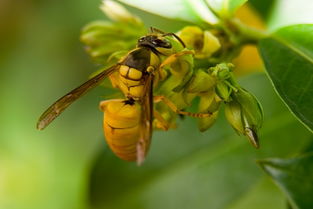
{"x":161,"y":43}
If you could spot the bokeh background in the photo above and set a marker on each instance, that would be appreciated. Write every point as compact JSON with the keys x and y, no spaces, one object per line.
{"x":69,"y":166}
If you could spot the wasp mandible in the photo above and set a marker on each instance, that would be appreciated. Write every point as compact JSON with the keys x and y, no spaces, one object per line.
{"x":128,"y":122}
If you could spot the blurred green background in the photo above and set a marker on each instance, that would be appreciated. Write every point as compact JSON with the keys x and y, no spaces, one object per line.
{"x":69,"y":166}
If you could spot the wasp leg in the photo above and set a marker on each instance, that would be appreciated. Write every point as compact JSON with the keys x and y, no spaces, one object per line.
{"x":169,"y":60}
{"x":141,"y":148}
{"x":173,"y":107}
{"x":172,"y":58}
{"x":162,"y":122}
{"x":103,"y":104}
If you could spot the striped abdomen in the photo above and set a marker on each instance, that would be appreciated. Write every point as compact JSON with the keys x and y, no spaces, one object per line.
{"x":122,"y":127}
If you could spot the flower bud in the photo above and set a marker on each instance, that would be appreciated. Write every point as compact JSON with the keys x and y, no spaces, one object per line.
{"x":181,"y":69}
{"x":118,"y":13}
{"x":222,"y":71}
{"x":104,"y":38}
{"x":201,"y":82}
{"x":225,"y":82}
{"x":223,"y":91}
{"x":203,"y":42}
{"x":181,"y":99}
{"x":169,"y":120}
{"x":233,"y":114}
{"x":251,"y":108}
{"x":209,"y":102}
{"x":206,"y":123}
{"x":245,"y":115}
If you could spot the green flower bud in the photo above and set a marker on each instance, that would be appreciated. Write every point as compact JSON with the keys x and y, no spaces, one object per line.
{"x":245,"y":115}
{"x":118,"y":13}
{"x":168,"y":116}
{"x":233,"y":114}
{"x":103,"y":38}
{"x":181,"y":99}
{"x":201,"y":82}
{"x":206,"y":123}
{"x":225,"y":80}
{"x":181,"y":69}
{"x":251,"y":108}
{"x":222,"y":71}
{"x":223,"y":91}
{"x":209,"y":102}
{"x":203,"y":42}
{"x":180,"y":65}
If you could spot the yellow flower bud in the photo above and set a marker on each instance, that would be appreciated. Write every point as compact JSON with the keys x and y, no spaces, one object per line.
{"x":209,"y":102}
{"x":207,"y":122}
{"x":203,"y":42}
{"x":168,"y":116}
{"x":211,"y":44}
{"x":201,"y":82}
{"x":181,"y":99}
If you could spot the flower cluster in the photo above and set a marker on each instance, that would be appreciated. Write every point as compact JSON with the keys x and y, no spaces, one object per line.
{"x":201,"y":74}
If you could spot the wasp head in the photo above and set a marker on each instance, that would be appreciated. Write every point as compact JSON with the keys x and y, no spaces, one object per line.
{"x":153,"y":42}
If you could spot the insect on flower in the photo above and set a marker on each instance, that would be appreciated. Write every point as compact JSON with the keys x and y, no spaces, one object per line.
{"x":128,"y":122}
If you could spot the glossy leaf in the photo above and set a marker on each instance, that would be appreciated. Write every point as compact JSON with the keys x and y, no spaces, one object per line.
{"x":263,"y":195}
{"x":290,"y":12}
{"x":288,"y":57}
{"x":225,"y":8}
{"x":194,"y":11}
{"x":294,"y":176}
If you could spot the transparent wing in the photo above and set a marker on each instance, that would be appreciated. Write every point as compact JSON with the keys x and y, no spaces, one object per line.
{"x":61,"y":104}
{"x":146,"y":120}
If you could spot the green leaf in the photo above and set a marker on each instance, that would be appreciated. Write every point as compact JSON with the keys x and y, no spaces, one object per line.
{"x":226,"y":8}
{"x":263,"y":195}
{"x":294,"y":176}
{"x":290,"y":12}
{"x":187,"y":10}
{"x":288,"y":57}
{"x":188,"y":169}
{"x":264,"y":7}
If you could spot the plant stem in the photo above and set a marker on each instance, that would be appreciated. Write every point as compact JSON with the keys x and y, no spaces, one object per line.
{"x":244,"y":33}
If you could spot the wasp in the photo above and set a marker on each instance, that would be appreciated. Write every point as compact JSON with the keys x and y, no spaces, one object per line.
{"x":127,"y":122}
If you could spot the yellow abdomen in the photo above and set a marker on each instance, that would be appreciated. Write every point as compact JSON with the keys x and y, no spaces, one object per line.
{"x":122,"y":127}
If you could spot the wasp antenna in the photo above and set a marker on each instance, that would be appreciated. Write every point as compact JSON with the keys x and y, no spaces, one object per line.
{"x":156,"y":30}
{"x":175,"y":36}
